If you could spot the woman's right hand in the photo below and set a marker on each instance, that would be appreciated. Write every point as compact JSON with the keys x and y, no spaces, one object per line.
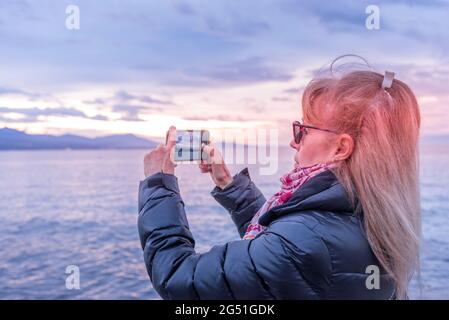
{"x":215,"y":165}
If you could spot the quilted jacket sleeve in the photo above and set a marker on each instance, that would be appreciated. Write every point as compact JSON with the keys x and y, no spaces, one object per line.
{"x":241,"y":198}
{"x":260,"y":268}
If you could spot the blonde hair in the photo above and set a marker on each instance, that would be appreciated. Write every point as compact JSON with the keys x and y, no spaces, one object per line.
{"x":381,"y":177}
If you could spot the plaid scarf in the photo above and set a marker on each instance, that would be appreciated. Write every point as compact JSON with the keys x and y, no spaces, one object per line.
{"x":290,"y":182}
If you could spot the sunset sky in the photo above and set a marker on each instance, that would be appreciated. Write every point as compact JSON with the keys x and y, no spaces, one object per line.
{"x":139,"y":66}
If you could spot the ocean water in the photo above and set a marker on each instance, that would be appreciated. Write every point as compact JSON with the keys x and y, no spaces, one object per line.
{"x":61,"y":208}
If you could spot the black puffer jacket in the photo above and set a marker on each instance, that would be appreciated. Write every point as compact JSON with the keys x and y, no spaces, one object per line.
{"x":313,"y":247}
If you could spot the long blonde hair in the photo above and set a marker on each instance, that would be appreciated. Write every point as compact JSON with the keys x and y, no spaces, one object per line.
{"x":381,"y":177}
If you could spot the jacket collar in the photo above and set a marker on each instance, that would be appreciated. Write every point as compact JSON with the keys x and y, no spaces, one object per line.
{"x":322,"y":192}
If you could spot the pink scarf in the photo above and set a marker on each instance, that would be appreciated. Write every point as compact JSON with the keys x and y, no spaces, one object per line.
{"x":290,"y":182}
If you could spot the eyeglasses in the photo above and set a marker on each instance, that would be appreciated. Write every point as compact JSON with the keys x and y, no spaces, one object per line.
{"x":299,"y":130}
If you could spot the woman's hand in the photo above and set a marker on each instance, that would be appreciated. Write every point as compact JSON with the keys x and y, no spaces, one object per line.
{"x":215,"y":165}
{"x":160,"y":159}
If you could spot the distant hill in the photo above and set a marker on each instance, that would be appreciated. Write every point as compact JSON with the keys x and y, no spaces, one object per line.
{"x":11,"y":139}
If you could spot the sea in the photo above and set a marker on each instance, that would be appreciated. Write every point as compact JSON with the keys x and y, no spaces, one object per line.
{"x":66,"y":209}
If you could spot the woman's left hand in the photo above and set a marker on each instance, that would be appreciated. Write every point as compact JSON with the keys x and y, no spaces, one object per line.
{"x":159,"y":159}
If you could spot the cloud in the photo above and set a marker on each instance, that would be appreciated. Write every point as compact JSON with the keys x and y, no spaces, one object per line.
{"x":99,"y":117}
{"x":98,"y":101}
{"x":131,"y":106}
{"x":349,"y":16}
{"x":21,"y":9}
{"x":430,"y":79}
{"x":18,"y":92}
{"x":132,"y":112}
{"x":281,"y":99}
{"x":143,"y":42}
{"x":238,"y":26}
{"x":125,"y":96}
{"x":185,"y":8}
{"x":33,"y":114}
{"x":337,"y":15}
{"x":224,"y":20}
{"x":4,"y":90}
{"x":249,"y":70}
{"x":291,"y":90}
{"x":254,"y":116}
{"x":219,"y":117}
{"x":193,"y":48}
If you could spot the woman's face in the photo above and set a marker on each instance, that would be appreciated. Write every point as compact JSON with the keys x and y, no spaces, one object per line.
{"x":316,"y":146}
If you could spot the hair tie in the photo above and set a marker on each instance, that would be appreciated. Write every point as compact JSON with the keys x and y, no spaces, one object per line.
{"x":388,"y":80}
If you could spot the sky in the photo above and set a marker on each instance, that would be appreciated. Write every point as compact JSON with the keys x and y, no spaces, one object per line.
{"x":140,"y":66}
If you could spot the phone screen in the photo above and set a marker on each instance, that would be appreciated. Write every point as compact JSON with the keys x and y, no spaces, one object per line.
{"x":189,"y":145}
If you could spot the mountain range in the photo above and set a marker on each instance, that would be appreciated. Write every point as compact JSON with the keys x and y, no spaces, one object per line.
{"x":11,"y":139}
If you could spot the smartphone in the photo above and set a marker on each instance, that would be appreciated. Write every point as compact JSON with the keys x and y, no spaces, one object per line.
{"x":189,"y":145}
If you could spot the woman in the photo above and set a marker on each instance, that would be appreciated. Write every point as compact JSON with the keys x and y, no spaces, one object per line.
{"x":345,"y":224}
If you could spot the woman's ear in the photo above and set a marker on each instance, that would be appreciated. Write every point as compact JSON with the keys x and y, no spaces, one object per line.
{"x":344,"y":147}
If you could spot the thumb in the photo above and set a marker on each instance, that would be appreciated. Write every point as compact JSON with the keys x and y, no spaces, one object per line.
{"x":210,"y":151}
{"x":214,"y":154}
{"x":171,"y":137}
